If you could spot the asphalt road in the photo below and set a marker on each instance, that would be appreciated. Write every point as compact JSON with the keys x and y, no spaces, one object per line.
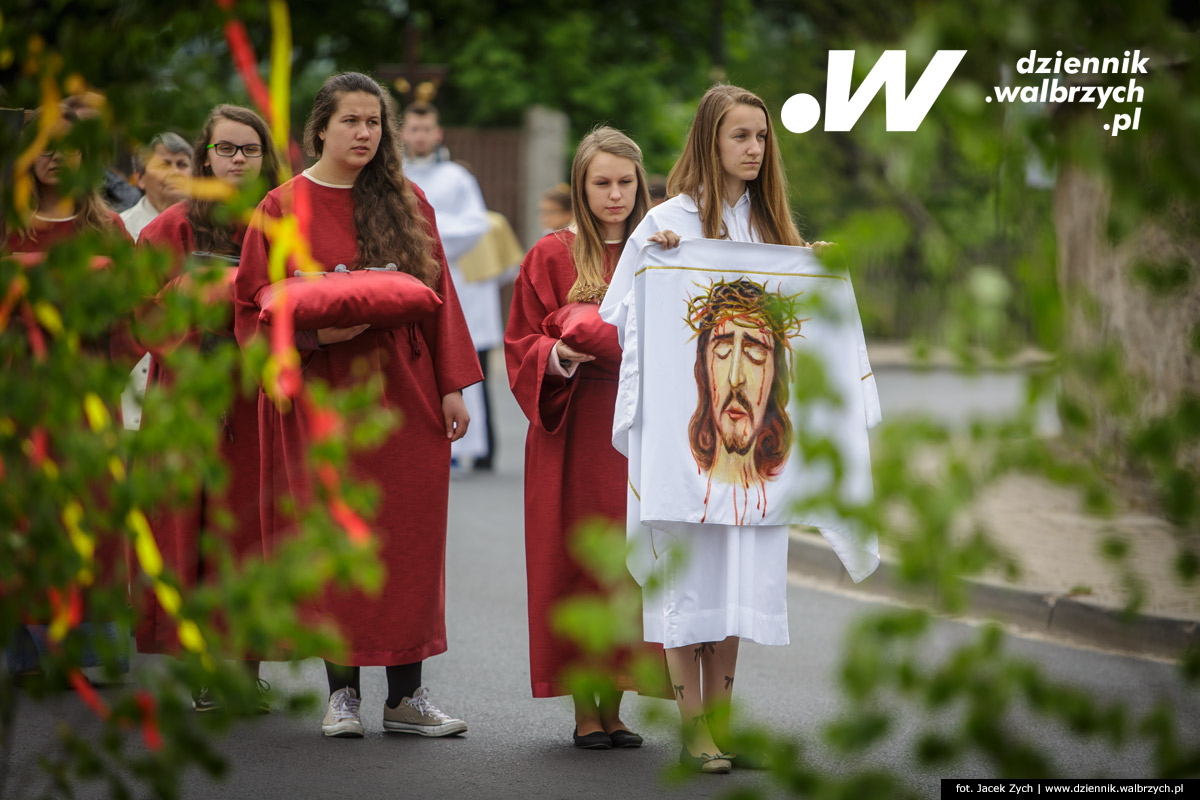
{"x":520,"y":748}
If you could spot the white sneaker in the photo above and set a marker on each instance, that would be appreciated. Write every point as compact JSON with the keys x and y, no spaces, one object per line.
{"x":341,"y":718}
{"x":417,"y":715}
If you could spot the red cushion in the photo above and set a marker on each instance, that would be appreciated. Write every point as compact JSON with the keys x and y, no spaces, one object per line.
{"x":382,"y":299}
{"x":580,"y":327}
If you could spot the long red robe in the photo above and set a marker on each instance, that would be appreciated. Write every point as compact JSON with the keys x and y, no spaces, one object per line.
{"x":179,"y":531}
{"x":419,"y":364}
{"x":111,"y":552}
{"x":572,"y":471}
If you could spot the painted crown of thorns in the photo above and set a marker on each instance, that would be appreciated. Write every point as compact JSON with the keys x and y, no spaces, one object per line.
{"x":746,"y":303}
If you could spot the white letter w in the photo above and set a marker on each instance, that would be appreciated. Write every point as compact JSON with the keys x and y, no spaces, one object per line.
{"x":903,"y":114}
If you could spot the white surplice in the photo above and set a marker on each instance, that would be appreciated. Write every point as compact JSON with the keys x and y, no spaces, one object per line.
{"x":462,"y":220}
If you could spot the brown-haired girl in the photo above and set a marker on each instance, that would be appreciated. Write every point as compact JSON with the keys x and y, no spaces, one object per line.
{"x":572,"y":472}
{"x":732,"y":585}
{"x":60,"y":213}
{"x":365,"y":213}
{"x":62,"y":210}
{"x":235,"y":148}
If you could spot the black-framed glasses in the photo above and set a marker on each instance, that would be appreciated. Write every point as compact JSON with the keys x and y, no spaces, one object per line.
{"x":53,"y":150}
{"x":229,"y":149}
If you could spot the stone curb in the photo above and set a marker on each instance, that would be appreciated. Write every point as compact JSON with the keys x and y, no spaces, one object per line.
{"x":1056,"y":615}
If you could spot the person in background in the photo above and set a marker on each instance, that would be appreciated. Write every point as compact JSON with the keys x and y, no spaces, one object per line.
{"x":462,"y":220}
{"x":554,"y":209}
{"x":62,"y":210}
{"x":161,"y":169}
{"x":658,"y":190}
{"x":115,"y":189}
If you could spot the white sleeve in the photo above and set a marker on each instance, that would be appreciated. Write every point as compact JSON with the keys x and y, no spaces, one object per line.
{"x":615,"y":307}
{"x":629,"y":386}
{"x":462,"y":224}
{"x":874,"y":413}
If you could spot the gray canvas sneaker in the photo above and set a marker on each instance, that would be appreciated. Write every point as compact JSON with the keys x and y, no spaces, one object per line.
{"x":417,"y":715}
{"x":341,"y":718}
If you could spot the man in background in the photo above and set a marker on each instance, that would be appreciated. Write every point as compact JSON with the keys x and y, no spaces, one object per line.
{"x":161,"y":169}
{"x":461,"y":219}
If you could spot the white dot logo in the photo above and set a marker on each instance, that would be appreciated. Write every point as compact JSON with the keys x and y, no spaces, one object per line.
{"x":800,"y":113}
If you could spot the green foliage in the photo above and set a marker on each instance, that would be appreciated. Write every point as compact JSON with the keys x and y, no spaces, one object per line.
{"x":77,"y":489}
{"x":947,"y":242}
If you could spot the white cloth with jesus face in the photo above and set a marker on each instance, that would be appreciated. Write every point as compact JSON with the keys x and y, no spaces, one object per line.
{"x":719,"y":340}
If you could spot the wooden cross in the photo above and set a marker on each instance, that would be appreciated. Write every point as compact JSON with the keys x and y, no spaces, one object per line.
{"x":413,"y":80}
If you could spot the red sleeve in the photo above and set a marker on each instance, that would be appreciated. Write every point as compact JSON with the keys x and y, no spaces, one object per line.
{"x":172,"y":232}
{"x":455,"y":362}
{"x":123,"y":346}
{"x":253,"y":273}
{"x":543,"y":397}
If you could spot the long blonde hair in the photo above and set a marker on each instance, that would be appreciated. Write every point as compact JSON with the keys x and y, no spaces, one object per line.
{"x":91,"y":212}
{"x":591,"y":256}
{"x":698,"y":172}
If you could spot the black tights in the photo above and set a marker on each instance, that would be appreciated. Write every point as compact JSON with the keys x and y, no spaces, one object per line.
{"x":403,"y":680}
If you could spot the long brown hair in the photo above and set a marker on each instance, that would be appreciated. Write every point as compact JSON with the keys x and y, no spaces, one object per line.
{"x":387,"y":216}
{"x":207,"y":235}
{"x":592,"y":258}
{"x":91,"y":212}
{"x":698,"y":172}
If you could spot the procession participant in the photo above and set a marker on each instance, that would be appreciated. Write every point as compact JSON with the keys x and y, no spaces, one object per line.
{"x":161,"y":169}
{"x":572,"y":472}
{"x":462,"y":219}
{"x":61,"y":213}
{"x":366,"y":213}
{"x":234,"y":147}
{"x":727,"y":184}
{"x":554,"y":209}
{"x":658,"y":190}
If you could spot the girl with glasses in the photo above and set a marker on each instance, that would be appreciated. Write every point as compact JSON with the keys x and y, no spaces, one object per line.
{"x":234,"y":147}
{"x":64,"y":208}
{"x":61,"y":208}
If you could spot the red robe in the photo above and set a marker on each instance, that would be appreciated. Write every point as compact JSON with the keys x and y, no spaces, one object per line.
{"x":419,"y":364}
{"x":572,"y":471}
{"x":48,"y":233}
{"x":178,"y":531}
{"x":111,"y":552}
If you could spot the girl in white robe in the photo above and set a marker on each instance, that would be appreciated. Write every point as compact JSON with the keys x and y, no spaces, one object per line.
{"x":732,"y":581}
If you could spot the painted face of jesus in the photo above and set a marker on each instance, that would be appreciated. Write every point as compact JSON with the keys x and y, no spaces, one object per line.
{"x":741,"y":368}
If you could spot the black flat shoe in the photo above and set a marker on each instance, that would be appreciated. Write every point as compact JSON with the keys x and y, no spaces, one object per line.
{"x":625,"y":739}
{"x":714,"y":765}
{"x":597,"y":740}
